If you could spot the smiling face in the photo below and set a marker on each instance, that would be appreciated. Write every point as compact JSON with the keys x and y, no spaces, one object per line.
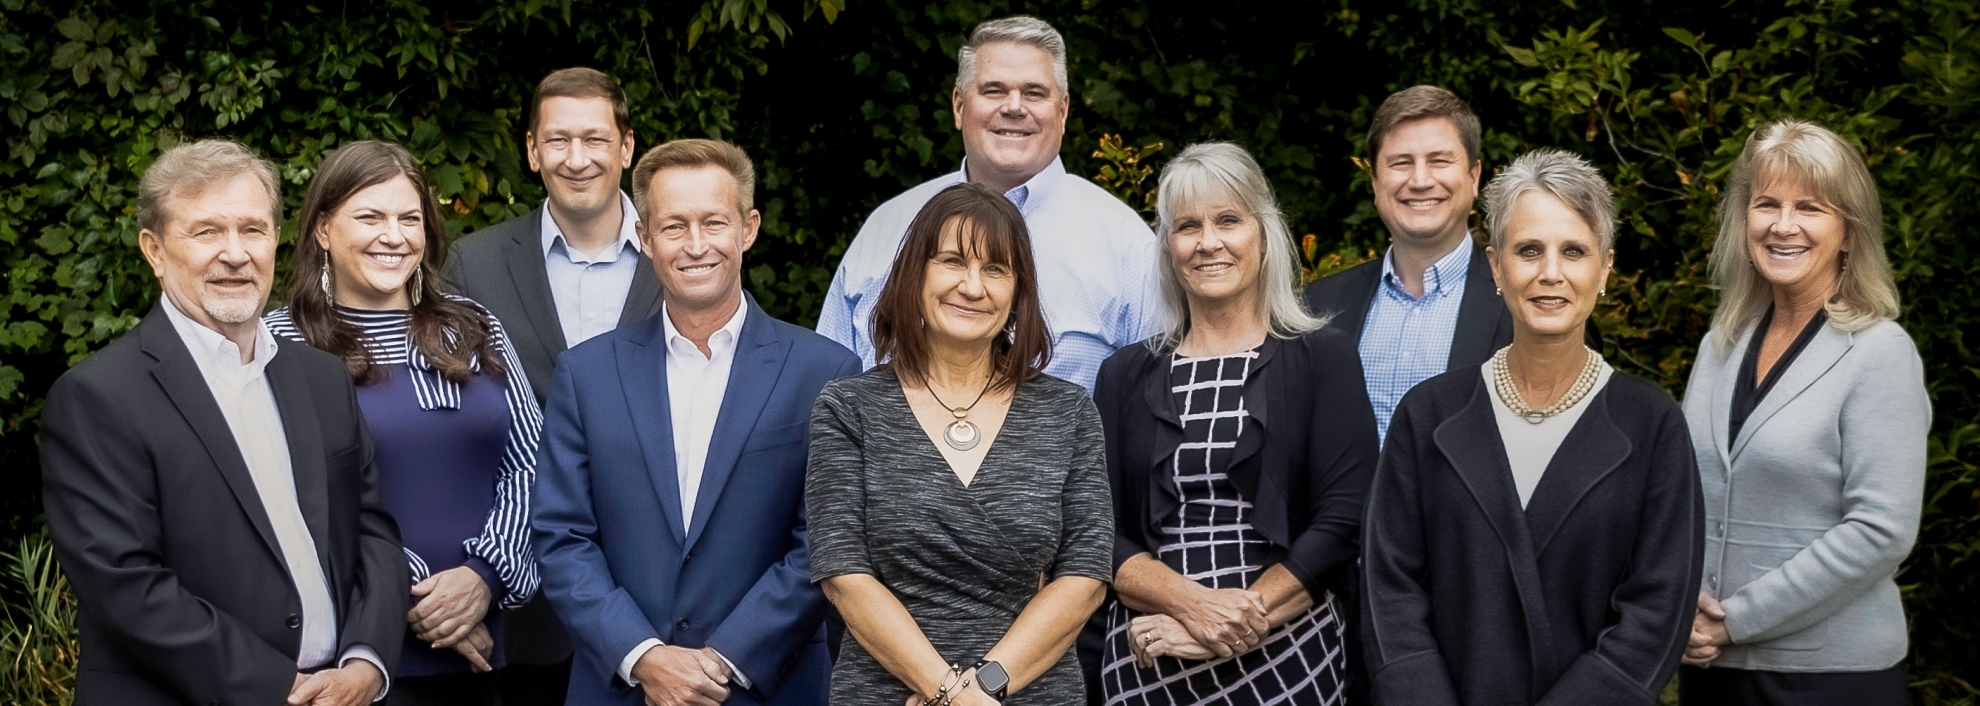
{"x":580,"y":152}
{"x":1012,"y":117}
{"x":696,"y":233}
{"x":965,"y":298}
{"x":216,"y":255}
{"x":1796,"y":239}
{"x":1552,"y":269}
{"x":1424,"y":182}
{"x":1217,"y":247}
{"x":375,"y":241}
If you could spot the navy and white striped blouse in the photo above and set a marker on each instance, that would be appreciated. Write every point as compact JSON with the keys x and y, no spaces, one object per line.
{"x":503,"y":541}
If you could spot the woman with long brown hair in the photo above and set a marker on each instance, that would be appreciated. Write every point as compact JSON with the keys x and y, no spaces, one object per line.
{"x":451,"y":415}
{"x":959,"y":515}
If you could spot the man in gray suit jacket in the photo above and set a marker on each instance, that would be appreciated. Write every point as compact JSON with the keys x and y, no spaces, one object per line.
{"x":567,"y":271}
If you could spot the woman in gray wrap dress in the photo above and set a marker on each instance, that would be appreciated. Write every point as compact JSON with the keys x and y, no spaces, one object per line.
{"x":957,"y":497}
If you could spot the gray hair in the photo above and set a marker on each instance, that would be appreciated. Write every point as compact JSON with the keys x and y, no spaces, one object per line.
{"x":189,"y":168}
{"x":1562,"y":175}
{"x":1817,"y":159}
{"x":1018,"y":29}
{"x":1221,"y":170}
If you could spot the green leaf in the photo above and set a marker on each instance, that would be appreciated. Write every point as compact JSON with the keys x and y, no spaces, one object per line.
{"x":1525,"y":57}
{"x":73,"y":28}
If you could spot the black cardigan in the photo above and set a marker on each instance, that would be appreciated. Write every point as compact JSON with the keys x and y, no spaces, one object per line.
{"x":1584,"y":597}
{"x":1304,"y":460}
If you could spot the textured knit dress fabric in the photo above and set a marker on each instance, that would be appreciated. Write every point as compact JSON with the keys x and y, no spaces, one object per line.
{"x":963,"y":560}
{"x":1211,"y":540}
{"x":454,"y":465}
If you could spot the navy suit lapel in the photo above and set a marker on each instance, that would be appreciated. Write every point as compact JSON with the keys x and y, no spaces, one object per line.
{"x":532,"y":280}
{"x":759,"y":363}
{"x":186,"y":386}
{"x":304,"y":431}
{"x":1472,"y":342}
{"x":642,"y":360}
{"x":1360,"y":289}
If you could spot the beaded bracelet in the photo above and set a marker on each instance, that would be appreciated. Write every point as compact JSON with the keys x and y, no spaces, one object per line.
{"x":954,"y":670}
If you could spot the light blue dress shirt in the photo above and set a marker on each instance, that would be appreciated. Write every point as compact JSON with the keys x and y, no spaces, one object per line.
{"x":1097,"y":277}
{"x":591,"y":292}
{"x":1407,"y":339}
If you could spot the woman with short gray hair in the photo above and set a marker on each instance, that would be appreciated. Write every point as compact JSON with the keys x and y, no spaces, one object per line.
{"x":1808,"y":417}
{"x":1239,"y":444}
{"x":1533,"y":530}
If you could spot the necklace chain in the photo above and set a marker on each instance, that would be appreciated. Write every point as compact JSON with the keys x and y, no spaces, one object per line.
{"x":960,"y":412}
{"x":1502,"y":383}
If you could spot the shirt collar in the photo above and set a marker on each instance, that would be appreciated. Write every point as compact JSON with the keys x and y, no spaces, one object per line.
{"x":1028,"y":195}
{"x":1448,"y":269}
{"x":628,"y":229}
{"x":210,"y":347}
{"x":721,"y":341}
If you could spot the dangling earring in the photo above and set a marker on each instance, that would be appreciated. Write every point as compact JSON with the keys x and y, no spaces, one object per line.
{"x":418,"y":284}
{"x":1845,"y":261}
{"x":325,"y":282}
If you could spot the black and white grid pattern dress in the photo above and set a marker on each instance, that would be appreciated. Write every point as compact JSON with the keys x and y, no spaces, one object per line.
{"x":1210,"y":539}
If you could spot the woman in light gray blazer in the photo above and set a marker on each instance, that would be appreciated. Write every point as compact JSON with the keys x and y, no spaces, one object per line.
{"x":1808,"y":414}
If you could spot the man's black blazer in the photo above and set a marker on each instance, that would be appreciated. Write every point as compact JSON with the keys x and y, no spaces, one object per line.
{"x":1483,"y":327}
{"x":501,"y":267}
{"x":184,"y":594}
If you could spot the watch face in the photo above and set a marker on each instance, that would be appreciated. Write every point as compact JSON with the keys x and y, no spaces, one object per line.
{"x":991,"y":675}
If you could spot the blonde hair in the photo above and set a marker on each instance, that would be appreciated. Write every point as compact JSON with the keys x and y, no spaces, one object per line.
{"x":188,"y":169}
{"x":1215,"y":170}
{"x":694,"y":154}
{"x":1819,"y":160}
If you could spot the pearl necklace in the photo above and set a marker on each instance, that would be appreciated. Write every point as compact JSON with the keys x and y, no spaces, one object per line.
{"x":1502,"y":382}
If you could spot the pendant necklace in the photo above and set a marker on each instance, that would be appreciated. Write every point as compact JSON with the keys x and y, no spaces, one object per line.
{"x":961,"y":434}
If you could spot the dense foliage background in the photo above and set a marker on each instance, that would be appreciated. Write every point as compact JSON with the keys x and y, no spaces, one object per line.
{"x":845,"y":105}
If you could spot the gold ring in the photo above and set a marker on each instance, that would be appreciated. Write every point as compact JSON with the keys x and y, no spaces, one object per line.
{"x":1148,"y":638}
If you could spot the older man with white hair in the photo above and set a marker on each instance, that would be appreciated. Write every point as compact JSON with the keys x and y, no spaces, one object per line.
{"x":209,"y":487}
{"x":1096,"y":257}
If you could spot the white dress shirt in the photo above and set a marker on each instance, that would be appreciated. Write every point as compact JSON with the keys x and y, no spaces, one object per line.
{"x":590,"y":292}
{"x":696,"y":384}
{"x":1098,"y":281}
{"x":248,"y":403}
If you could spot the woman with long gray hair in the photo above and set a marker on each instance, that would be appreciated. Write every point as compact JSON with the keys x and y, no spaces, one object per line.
{"x":1533,"y":533}
{"x":1808,"y":416}
{"x":1240,"y":442}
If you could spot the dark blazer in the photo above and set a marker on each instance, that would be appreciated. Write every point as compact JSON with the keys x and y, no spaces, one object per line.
{"x":1584,"y":597}
{"x":184,"y":594}
{"x":1483,"y":325}
{"x":501,"y":267}
{"x":1305,"y":461}
{"x":607,"y":518}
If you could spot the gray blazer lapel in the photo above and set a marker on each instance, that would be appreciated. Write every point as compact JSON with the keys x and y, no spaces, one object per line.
{"x":1821,"y":354}
{"x":526,"y":270}
{"x":1724,"y":381}
{"x":186,"y":386}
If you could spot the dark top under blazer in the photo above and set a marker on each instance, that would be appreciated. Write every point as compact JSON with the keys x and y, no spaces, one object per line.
{"x":501,"y":267}
{"x":1304,"y":460}
{"x":1585,"y":597}
{"x":616,"y":561}
{"x":1483,"y":325}
{"x":184,"y":593}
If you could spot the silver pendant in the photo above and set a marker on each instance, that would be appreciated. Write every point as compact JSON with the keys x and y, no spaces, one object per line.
{"x":1534,"y":417}
{"x":961,"y":435}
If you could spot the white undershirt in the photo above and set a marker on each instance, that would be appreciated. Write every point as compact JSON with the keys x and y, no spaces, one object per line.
{"x":247,"y":402}
{"x":696,"y":385}
{"x":1530,"y":447}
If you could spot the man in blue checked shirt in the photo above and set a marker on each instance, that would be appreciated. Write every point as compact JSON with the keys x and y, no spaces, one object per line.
{"x":1096,"y":258}
{"x":1429,"y":304}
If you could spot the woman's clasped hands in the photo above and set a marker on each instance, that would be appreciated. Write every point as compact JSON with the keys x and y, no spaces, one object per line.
{"x":1211,"y":623}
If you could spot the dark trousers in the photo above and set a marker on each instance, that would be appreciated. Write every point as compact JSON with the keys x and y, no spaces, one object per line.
{"x":539,"y":656}
{"x":1716,"y":686}
{"x":463,"y":689}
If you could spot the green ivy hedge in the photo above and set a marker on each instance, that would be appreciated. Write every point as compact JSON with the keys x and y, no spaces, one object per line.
{"x":844,"y":106}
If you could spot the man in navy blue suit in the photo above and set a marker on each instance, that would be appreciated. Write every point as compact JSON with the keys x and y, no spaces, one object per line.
{"x":669,"y":518}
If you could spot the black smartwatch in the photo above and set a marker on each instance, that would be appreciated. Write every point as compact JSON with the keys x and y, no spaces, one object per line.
{"x":993,"y":679}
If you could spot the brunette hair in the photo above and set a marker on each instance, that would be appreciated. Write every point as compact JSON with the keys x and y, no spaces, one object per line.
{"x":581,"y":82}
{"x":451,"y":333}
{"x":992,"y":229}
{"x":1418,"y":103}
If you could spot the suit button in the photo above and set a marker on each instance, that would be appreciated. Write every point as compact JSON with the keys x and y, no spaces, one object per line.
{"x":681,"y":624}
{"x":688,"y":558}
{"x":295,"y":621}
{"x":1722,"y":529}
{"x":1712,"y":579}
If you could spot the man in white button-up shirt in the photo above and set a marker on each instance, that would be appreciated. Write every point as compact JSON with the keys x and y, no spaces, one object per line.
{"x":669,"y":515}
{"x":209,"y":487}
{"x":1096,"y":258}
